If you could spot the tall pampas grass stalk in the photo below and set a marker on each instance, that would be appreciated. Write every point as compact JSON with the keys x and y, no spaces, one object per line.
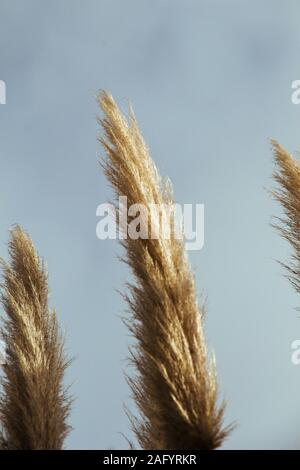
{"x":287,"y":176}
{"x":34,"y":405}
{"x":175,"y":387}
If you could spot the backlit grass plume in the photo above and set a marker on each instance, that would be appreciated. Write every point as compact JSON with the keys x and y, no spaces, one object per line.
{"x":175,"y":387}
{"x":287,"y":175}
{"x":34,"y":405}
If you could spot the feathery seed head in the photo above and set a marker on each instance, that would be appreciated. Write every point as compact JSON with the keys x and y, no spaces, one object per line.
{"x":34,"y":405}
{"x":176,"y":387}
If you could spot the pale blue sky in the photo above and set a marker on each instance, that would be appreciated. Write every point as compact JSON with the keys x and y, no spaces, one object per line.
{"x":210,"y":82}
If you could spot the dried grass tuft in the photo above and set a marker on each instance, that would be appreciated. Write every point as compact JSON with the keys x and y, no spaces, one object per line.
{"x":287,"y":176}
{"x":34,"y":406}
{"x":176,"y":386}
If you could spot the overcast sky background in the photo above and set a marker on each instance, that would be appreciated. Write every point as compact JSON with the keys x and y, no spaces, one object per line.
{"x":210,"y":82}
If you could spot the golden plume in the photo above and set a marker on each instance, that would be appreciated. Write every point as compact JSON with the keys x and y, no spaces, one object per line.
{"x":34,"y":405}
{"x":175,"y":387}
{"x":287,"y":175}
